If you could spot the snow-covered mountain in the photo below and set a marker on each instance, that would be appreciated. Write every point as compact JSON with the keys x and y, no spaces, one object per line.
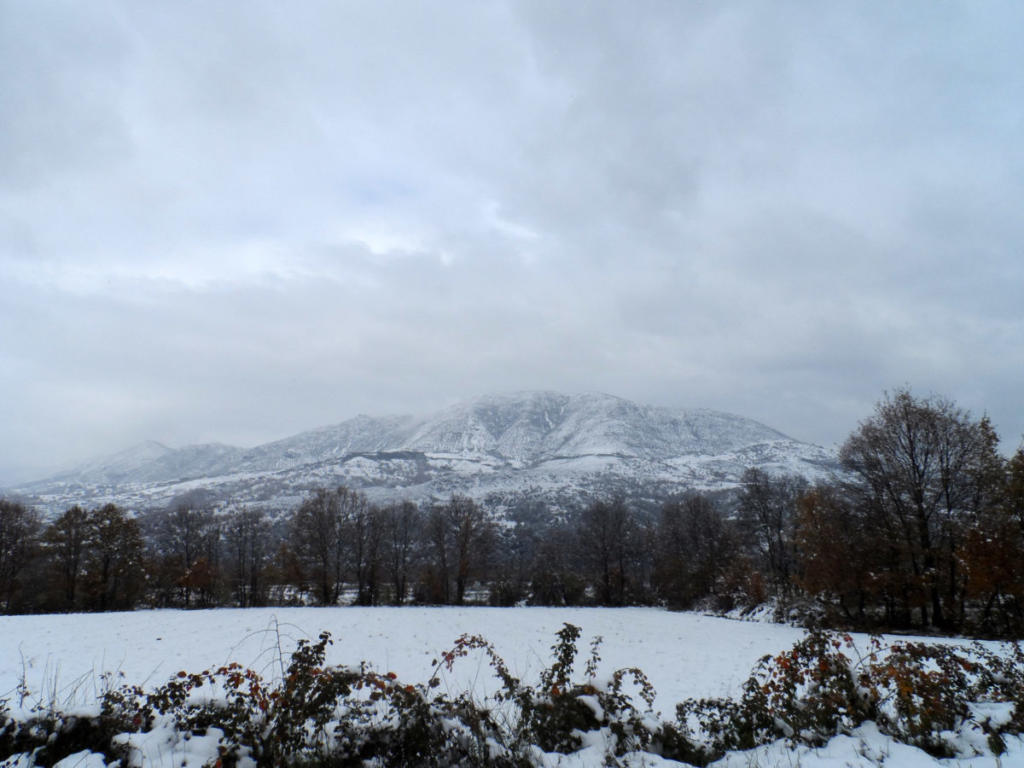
{"x":501,"y":449}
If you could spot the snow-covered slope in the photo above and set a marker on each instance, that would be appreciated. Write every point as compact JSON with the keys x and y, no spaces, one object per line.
{"x":118,"y":466}
{"x":558,"y":448}
{"x":532,"y":427}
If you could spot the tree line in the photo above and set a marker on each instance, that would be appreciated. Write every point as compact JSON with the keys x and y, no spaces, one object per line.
{"x":923,"y":527}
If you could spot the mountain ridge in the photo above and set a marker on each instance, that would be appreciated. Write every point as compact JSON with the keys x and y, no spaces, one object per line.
{"x":541,"y":445}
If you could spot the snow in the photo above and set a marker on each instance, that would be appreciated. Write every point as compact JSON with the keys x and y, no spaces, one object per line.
{"x":866,"y":747}
{"x":84,"y":759}
{"x":165,"y":746}
{"x":684,"y":654}
{"x":587,"y":445}
{"x":60,"y":659}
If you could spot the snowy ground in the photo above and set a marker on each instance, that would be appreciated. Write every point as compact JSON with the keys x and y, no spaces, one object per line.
{"x":684,"y":654}
{"x":60,"y":657}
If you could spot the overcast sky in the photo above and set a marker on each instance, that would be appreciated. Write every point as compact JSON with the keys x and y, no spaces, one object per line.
{"x":235,"y":221}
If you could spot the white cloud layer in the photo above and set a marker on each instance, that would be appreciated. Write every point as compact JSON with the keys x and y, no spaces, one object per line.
{"x":233,"y":221}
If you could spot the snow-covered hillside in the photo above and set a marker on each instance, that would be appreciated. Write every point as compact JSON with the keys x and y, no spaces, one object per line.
{"x":502,"y":449}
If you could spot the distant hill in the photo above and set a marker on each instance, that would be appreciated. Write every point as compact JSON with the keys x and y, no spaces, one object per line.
{"x":560,"y":449}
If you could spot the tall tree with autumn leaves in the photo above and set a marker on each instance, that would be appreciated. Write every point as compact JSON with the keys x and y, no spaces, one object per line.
{"x":916,"y":533}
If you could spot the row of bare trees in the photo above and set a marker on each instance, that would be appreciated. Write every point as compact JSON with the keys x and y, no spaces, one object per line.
{"x":922,"y":527}
{"x":338,"y":539}
{"x":927,"y":528}
{"x":82,"y":560}
{"x":335,"y":547}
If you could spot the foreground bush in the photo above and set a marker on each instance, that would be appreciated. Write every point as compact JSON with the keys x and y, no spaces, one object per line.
{"x":320,"y":715}
{"x":926,"y":695}
{"x":937,"y":697}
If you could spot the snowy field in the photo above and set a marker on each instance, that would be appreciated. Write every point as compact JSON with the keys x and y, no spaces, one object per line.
{"x":60,"y":657}
{"x":684,"y":654}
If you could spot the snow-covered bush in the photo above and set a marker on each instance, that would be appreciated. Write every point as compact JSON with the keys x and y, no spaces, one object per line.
{"x":49,"y":735}
{"x":316,"y":713}
{"x":946,"y":699}
{"x":807,"y":694}
{"x":926,"y":693}
{"x":339,"y":715}
{"x":922,"y":694}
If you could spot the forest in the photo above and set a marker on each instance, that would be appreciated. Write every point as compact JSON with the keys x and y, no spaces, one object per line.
{"x":921,"y":528}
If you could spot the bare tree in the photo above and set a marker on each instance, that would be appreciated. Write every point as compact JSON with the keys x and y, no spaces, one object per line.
{"x":435,"y":586}
{"x":190,"y":541}
{"x":247,"y":535}
{"x":361,"y":533}
{"x":460,"y":537}
{"x":557,"y":577}
{"x":694,"y":546}
{"x":516,"y":554}
{"x":114,"y":566}
{"x":402,"y":524}
{"x":916,"y":462}
{"x":767,"y":515}
{"x":472,"y":536}
{"x":316,"y":537}
{"x":66,"y":541}
{"x":19,"y":539}
{"x":605,"y":534}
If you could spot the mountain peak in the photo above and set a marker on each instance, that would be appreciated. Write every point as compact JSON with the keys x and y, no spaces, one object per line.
{"x":546,"y":445}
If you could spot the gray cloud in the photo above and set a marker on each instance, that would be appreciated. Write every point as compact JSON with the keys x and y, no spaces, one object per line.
{"x":233,"y":222}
